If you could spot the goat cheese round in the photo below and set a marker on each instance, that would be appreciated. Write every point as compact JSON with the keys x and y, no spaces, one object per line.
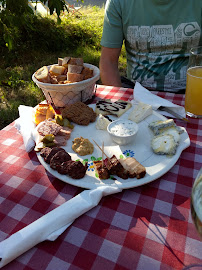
{"x":123,"y":128}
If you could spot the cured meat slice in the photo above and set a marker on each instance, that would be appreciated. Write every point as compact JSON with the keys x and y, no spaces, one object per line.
{"x":134,"y":168}
{"x":113,"y":165}
{"x":49,"y":127}
{"x":66,"y":132}
{"x":45,"y":151}
{"x":60,"y":140}
{"x":101,"y":169}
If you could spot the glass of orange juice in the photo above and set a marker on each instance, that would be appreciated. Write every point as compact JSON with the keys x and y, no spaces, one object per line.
{"x":196,"y":203}
{"x":193,"y":94}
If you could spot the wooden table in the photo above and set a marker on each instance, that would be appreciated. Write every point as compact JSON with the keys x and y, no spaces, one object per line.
{"x":148,"y":227}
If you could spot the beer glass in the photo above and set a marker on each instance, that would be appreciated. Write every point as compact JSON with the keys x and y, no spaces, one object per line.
{"x":193,"y":94}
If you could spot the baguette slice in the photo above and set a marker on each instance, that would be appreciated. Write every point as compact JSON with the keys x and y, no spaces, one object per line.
{"x":42,"y":74}
{"x":76,"y":61}
{"x":60,"y":61}
{"x":65,"y":61}
{"x":56,"y":70}
{"x":61,"y":78}
{"x":74,"y":77}
{"x":75,"y":69}
{"x":87,"y":72}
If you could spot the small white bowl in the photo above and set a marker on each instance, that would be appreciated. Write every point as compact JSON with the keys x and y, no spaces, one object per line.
{"x":122,"y":131}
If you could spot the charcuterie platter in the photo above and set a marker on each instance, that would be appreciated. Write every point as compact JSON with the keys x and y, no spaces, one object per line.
{"x":140,"y":149}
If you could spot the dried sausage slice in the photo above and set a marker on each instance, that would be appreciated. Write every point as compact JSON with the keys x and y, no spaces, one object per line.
{"x":77,"y":170}
{"x":53,"y":151}
{"x":58,"y":159}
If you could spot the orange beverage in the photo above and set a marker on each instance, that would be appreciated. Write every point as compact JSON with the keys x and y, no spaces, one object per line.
{"x":193,"y":95}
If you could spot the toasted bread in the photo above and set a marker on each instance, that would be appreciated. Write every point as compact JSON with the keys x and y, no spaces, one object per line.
{"x":43,"y":112}
{"x":42,"y":108}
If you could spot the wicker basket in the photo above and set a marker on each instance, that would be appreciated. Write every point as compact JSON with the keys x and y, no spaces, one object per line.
{"x":63,"y":94}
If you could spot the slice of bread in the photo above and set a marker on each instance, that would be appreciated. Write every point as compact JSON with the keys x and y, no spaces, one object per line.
{"x":61,"y":78}
{"x":87,"y":72}
{"x":42,"y":108}
{"x":75,"y":69}
{"x":56,"y":70}
{"x":74,"y":77}
{"x":43,"y":112}
{"x":65,"y":61}
{"x":42,"y":74}
{"x":60,"y":61}
{"x":76,"y":61}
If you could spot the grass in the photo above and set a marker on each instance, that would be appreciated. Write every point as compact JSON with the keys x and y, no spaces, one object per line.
{"x":41,"y":42}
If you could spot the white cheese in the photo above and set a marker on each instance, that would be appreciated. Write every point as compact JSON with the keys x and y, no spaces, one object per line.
{"x":172,"y":131}
{"x":164,"y":144}
{"x":159,"y":126}
{"x":102,"y":122}
{"x":140,"y":112}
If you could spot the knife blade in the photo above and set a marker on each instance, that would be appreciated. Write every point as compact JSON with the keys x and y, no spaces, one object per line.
{"x":178,"y":116}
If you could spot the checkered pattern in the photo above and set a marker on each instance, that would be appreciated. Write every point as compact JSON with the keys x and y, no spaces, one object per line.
{"x":148,"y":227}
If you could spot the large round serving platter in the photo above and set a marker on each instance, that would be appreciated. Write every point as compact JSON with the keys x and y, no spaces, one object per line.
{"x":140,"y":149}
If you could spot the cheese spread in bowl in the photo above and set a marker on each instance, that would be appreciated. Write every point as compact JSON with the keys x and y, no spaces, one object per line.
{"x":122,"y":132}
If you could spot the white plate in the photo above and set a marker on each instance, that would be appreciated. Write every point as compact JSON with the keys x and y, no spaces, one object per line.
{"x":140,"y":149}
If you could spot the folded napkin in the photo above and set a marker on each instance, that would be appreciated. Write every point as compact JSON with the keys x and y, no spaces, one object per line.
{"x":51,"y":225}
{"x":26,"y":126}
{"x":141,"y":94}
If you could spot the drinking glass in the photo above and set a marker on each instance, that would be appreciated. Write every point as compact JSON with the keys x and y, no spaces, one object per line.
{"x":196,"y":203}
{"x":193,"y":94}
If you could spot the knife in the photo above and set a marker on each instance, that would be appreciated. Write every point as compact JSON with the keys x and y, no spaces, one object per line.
{"x":178,"y":116}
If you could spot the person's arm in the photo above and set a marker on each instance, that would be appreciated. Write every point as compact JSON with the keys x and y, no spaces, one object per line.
{"x":109,"y":72}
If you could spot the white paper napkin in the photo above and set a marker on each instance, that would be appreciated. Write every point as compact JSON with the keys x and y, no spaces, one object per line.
{"x":51,"y":225}
{"x":26,"y":126}
{"x":141,"y":94}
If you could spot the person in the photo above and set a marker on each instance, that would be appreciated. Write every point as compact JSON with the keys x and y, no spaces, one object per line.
{"x":158,"y":35}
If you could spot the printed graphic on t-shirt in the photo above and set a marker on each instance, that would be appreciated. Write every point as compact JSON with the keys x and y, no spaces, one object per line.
{"x":154,"y":49}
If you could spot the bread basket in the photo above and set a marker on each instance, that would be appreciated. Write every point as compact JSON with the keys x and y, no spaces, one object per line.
{"x":63,"y":94}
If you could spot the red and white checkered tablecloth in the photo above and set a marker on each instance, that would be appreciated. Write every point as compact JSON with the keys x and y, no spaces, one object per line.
{"x":148,"y":227}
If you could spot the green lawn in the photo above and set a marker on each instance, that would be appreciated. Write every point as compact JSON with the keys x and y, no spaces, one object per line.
{"x":40,"y":41}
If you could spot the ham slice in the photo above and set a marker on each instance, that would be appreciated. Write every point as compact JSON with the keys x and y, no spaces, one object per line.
{"x":62,"y":134}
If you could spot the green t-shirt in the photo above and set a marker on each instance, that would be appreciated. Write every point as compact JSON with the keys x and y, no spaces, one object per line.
{"x":158,"y":35}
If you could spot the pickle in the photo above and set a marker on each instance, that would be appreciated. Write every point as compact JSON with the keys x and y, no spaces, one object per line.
{"x":59,"y":119}
{"x":49,"y":138}
{"x":50,"y":144}
{"x":68,"y":124}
